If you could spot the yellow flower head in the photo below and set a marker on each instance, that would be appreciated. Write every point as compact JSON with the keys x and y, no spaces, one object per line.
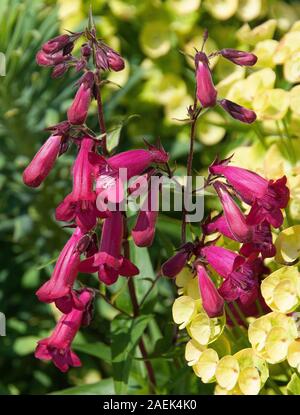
{"x":281,"y":289}
{"x":271,"y":335}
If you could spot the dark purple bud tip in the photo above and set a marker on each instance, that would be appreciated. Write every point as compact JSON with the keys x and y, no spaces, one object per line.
{"x":59,"y":70}
{"x":238,"y":112}
{"x":116,"y":63}
{"x":239,"y":57}
{"x":56,"y":44}
{"x":86,"y":50}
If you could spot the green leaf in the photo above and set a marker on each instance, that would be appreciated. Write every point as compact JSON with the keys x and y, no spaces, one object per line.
{"x":25,"y":345}
{"x":293,"y":387}
{"x":126,"y":334}
{"x":141,"y":258}
{"x":113,"y":138}
{"x":31,"y":278}
{"x":99,"y":349}
{"x":104,"y":387}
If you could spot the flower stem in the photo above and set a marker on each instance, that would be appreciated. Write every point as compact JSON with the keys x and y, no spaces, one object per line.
{"x":194,"y":117}
{"x":136,"y":312}
{"x":274,"y":386}
{"x":101,"y":114}
{"x":236,"y":325}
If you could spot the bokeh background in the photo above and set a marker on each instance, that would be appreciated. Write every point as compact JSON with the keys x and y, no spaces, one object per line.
{"x":156,"y":87}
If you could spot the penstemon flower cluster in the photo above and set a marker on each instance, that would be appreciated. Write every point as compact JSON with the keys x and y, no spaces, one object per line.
{"x":219,"y":287}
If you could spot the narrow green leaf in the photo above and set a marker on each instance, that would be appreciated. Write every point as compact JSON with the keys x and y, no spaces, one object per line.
{"x":113,"y":137}
{"x":99,"y":349}
{"x":126,"y":334}
{"x":293,"y":387}
{"x":104,"y":387}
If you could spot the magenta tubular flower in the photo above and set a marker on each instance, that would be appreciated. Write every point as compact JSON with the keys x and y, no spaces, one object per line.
{"x":239,"y":57}
{"x":57,"y":347}
{"x":108,"y":262}
{"x":206,"y":91}
{"x":59,"y":288}
{"x":240,"y":274}
{"x":56,"y":44}
{"x":83,"y":173}
{"x":42,"y":163}
{"x":136,"y":161}
{"x":109,"y":184}
{"x":175,"y":264}
{"x":78,"y":111}
{"x":261,"y":237}
{"x":212,"y":301}
{"x":266,"y":197}
{"x":115,"y":61}
{"x":235,"y":219}
{"x":237,"y":111}
{"x":144,"y":231}
{"x":218,"y":224}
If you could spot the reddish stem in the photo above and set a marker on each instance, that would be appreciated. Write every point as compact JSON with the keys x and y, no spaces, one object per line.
{"x":136,"y":312}
{"x":101,"y":115}
{"x":189,"y":165}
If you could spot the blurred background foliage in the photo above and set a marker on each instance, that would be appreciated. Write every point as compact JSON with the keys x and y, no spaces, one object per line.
{"x":157,"y":85}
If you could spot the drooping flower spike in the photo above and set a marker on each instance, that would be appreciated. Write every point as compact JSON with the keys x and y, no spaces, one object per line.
{"x":57,"y":347}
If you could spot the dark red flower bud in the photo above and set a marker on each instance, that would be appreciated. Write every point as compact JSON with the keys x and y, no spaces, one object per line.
{"x":81,"y":64}
{"x":116,"y":63}
{"x":59,"y":70}
{"x":56,"y":44}
{"x":238,"y":112}
{"x":101,"y":59}
{"x":43,"y":59}
{"x":86,"y":50}
{"x":239,"y":57}
{"x":206,"y":91}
